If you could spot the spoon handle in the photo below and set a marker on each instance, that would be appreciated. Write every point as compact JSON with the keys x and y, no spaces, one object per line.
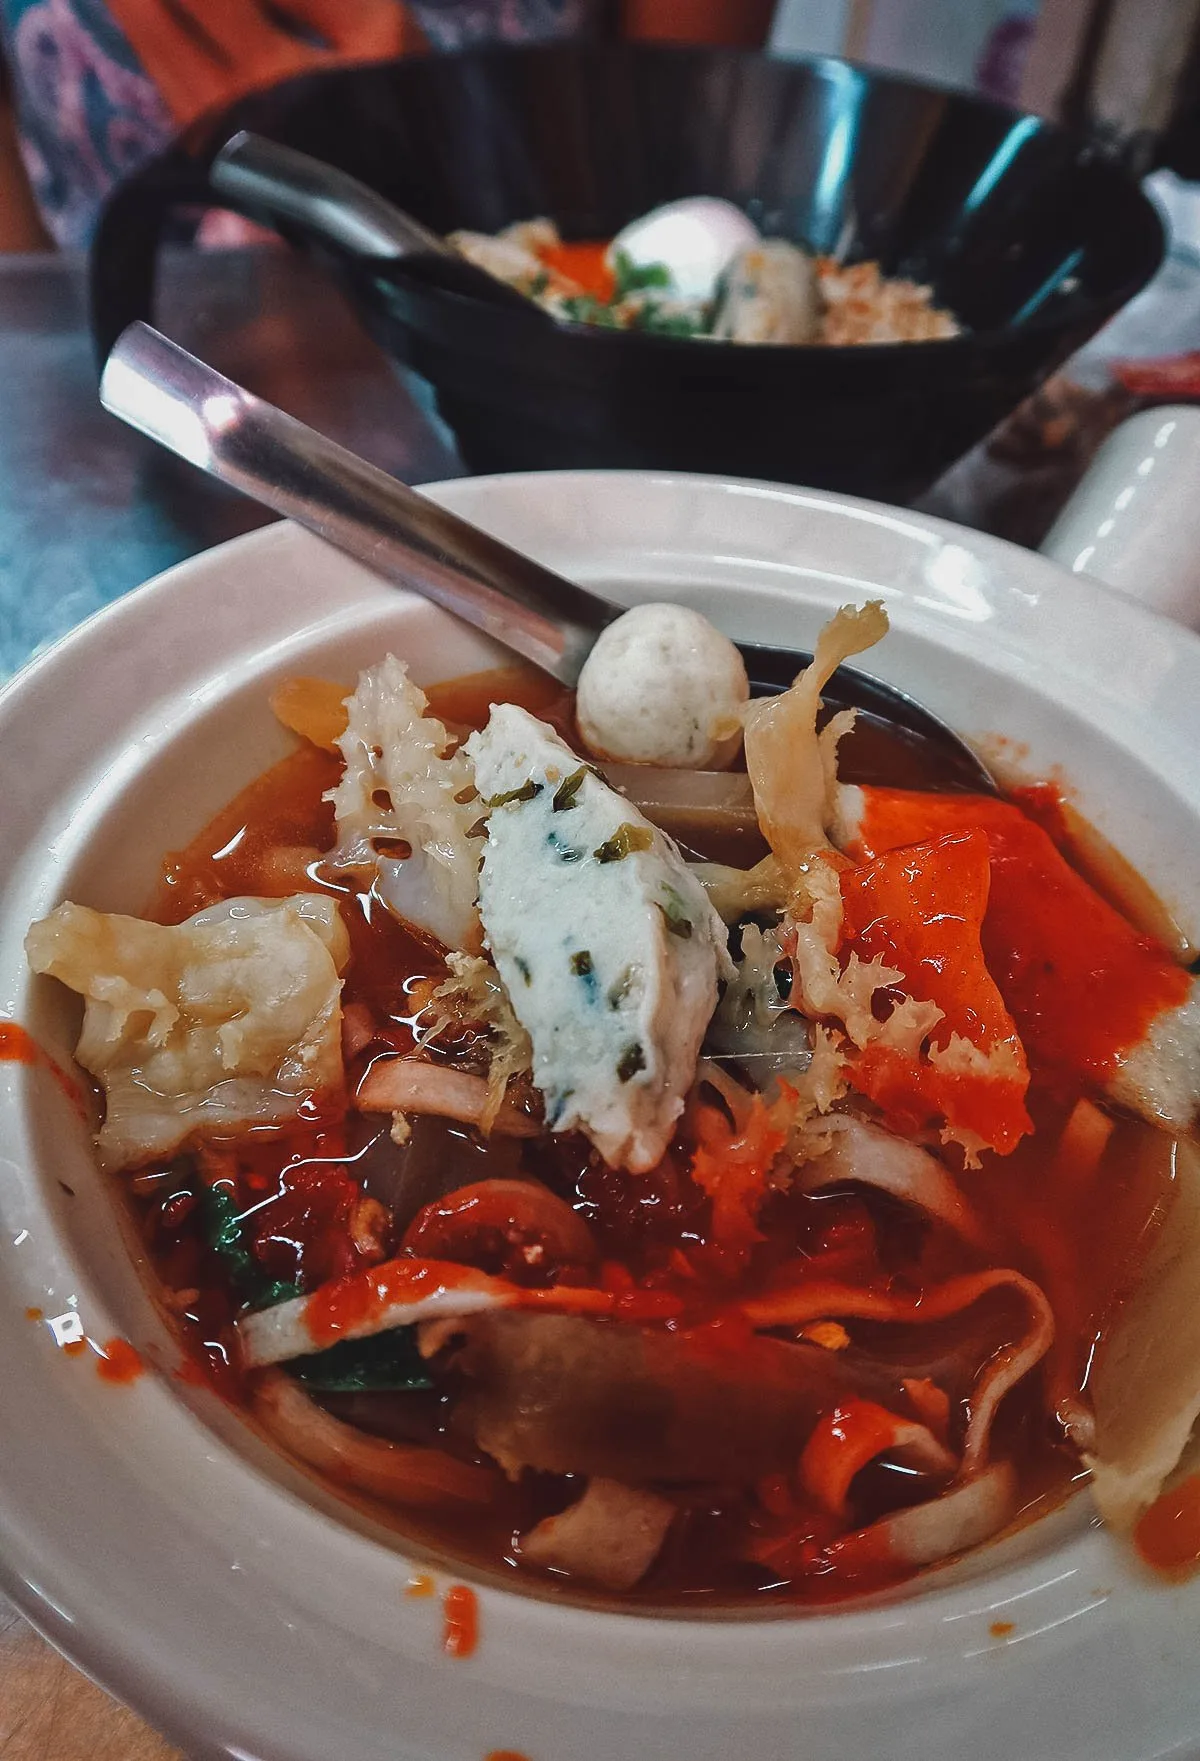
{"x":193,"y":411}
{"x":295,"y":193}
{"x":253,"y":172}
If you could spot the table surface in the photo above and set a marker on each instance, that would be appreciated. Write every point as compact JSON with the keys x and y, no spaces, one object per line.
{"x":89,"y":510}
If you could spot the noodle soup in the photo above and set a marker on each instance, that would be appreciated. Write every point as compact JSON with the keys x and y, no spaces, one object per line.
{"x":650,"y":1226}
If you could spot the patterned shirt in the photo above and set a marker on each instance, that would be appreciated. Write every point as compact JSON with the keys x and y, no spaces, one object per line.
{"x":89,"y":114}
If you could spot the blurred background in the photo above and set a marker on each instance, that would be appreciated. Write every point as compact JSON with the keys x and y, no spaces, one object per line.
{"x":93,"y":88}
{"x":90,"y":88}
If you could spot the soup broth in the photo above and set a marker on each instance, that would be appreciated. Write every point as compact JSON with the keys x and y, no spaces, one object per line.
{"x":1070,"y":1210}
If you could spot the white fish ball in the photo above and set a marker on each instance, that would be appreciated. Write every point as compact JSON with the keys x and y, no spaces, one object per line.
{"x":663,"y":686}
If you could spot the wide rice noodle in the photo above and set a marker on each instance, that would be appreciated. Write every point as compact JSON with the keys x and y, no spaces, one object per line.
{"x":395,"y":1472}
{"x":962,"y":1517}
{"x":611,"y":1537}
{"x":1145,"y":1386}
{"x":856,"y":1151}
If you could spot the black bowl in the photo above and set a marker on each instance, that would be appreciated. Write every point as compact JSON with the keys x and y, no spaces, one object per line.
{"x":1029,"y":235}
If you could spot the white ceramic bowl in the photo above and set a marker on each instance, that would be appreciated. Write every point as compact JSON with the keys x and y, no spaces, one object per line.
{"x":226,"y":1596}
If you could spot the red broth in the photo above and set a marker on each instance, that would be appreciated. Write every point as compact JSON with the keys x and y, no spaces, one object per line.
{"x":1075,"y":1223}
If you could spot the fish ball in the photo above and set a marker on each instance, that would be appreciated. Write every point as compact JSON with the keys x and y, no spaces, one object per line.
{"x":663,"y":686}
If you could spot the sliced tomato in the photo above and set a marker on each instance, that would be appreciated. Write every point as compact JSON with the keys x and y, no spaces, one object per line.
{"x":516,"y":1229}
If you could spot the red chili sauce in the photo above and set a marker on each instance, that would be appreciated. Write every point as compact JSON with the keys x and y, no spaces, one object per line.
{"x":1075,"y":1224}
{"x":17,"y":1046}
{"x":119,"y":1362}
{"x":460,"y":1637}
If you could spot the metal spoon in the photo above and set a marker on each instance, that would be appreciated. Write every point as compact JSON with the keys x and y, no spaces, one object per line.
{"x":197,"y":413}
{"x":283,"y":187}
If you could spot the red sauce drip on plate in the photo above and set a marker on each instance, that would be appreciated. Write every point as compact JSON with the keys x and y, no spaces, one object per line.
{"x":19,"y":1047}
{"x":460,"y":1637}
{"x":35,"y":1314}
{"x":1168,"y":1536}
{"x":119,"y":1362}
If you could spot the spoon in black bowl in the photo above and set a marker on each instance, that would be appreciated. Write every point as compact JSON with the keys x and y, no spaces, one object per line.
{"x":267,"y":181}
{"x":197,"y":413}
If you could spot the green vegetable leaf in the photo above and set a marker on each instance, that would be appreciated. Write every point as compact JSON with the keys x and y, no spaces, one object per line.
{"x":631,"y":277}
{"x":356,"y":1366}
{"x":624,"y":841}
{"x":657,"y":322}
{"x":526,"y":792}
{"x":564,"y":795}
{"x":587,"y":309}
{"x":621,"y":989}
{"x":225,"y":1234}
{"x":633,"y":1059}
{"x":677,"y":920}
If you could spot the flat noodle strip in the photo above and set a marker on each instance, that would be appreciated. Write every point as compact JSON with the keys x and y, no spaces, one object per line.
{"x":401,"y":1292}
{"x":1006,"y":1369}
{"x":610,"y":1537}
{"x":862,"y":1153}
{"x":856,"y":1434}
{"x":410,"y":1085}
{"x":820,"y":1300}
{"x":962,"y":1517}
{"x":397,"y":1473}
{"x":1145,"y":1383}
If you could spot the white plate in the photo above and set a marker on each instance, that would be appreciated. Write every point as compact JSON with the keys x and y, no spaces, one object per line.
{"x":227,"y":1597}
